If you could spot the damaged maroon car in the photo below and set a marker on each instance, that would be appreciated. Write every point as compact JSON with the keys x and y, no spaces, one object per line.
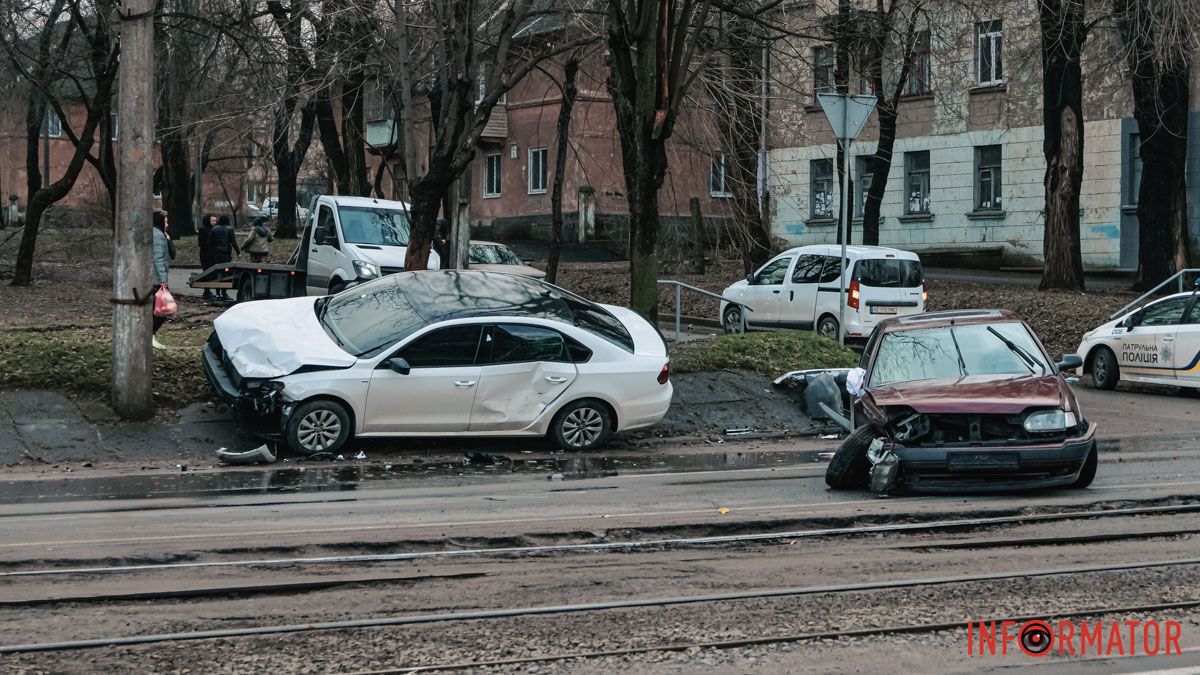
{"x":960,"y":401}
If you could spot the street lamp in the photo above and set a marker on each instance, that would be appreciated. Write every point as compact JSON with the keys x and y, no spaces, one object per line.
{"x":846,"y":115}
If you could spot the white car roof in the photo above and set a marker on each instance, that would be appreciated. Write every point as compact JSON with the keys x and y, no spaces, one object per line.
{"x":854,"y":252}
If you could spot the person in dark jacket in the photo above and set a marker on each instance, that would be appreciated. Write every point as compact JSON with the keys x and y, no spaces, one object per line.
{"x":206,"y":225}
{"x":164,"y":253}
{"x":222,"y":243}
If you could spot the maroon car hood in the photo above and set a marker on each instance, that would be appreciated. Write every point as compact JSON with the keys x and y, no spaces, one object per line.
{"x":997,"y":394}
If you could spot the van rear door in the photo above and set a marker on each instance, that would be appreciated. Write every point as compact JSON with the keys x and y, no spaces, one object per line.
{"x":888,"y":286}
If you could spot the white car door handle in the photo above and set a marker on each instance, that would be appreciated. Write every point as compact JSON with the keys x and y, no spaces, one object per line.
{"x":555,"y":380}
{"x":1168,"y":338}
{"x":465,"y":384}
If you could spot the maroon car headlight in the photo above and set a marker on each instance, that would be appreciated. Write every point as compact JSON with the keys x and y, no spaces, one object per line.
{"x":1045,"y":421}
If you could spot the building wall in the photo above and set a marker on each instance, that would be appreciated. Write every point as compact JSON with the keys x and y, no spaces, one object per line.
{"x":950,"y":122}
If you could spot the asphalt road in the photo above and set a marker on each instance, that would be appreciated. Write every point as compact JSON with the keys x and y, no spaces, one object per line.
{"x":237,"y":549}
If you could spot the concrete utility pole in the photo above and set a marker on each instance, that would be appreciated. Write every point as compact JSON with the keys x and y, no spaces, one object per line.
{"x":133,"y":278}
{"x":460,"y":222}
{"x":407,"y":128}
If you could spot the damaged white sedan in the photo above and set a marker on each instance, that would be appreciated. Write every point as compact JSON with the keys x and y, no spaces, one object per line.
{"x":439,"y":353}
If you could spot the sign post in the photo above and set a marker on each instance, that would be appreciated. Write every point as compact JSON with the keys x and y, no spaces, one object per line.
{"x":846,"y":115}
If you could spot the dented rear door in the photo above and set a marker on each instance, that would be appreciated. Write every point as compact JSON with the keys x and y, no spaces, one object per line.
{"x":527,"y":368}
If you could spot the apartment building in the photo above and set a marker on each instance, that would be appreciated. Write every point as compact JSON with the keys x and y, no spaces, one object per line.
{"x":967,"y":173}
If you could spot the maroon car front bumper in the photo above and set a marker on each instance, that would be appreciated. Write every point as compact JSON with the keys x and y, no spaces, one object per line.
{"x":961,"y":468}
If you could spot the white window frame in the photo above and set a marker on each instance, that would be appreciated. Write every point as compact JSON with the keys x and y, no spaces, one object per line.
{"x":716,"y":169}
{"x":543,"y":173}
{"x":826,"y":66}
{"x":863,"y":172}
{"x":920,"y":76}
{"x":994,"y":174}
{"x":990,"y":35}
{"x":487,"y":169}
{"x":1134,"y":168}
{"x":829,"y":211}
{"x":53,"y":123}
{"x":926,"y":198}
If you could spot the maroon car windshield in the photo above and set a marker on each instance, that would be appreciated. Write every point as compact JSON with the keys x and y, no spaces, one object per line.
{"x":950,"y":352}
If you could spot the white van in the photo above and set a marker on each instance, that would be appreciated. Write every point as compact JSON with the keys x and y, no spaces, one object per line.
{"x":799,"y":289}
{"x":353,"y":239}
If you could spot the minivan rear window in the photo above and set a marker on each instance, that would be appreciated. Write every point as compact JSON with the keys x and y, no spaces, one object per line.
{"x":889,"y":273}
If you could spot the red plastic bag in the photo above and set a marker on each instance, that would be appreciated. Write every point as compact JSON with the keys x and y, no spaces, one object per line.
{"x":164,"y":303}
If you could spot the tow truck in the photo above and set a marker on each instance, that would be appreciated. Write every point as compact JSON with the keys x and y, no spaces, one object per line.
{"x":346,"y":241}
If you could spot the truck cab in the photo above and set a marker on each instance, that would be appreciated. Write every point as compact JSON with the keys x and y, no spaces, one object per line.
{"x":353,"y":239}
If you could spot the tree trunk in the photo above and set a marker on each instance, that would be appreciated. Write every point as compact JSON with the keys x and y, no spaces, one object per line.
{"x":563,"y":139}
{"x":743,"y":134}
{"x":881,"y":168}
{"x":426,"y":195}
{"x":1160,"y":77}
{"x":353,"y":130}
{"x":1063,"y":33}
{"x":841,"y":80}
{"x":177,"y":179}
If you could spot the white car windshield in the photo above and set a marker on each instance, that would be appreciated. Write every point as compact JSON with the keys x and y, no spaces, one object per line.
{"x":368,"y":319}
{"x":951,"y":352}
{"x":380,"y":227}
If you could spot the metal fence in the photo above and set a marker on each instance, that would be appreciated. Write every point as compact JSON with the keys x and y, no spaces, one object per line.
{"x":680,"y":286}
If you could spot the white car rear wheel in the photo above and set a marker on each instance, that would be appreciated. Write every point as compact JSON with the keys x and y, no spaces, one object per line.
{"x":732,"y":320}
{"x":582,"y":425}
{"x":828,"y":327}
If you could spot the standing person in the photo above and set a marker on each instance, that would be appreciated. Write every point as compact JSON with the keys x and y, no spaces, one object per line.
{"x":206,"y":260}
{"x":164,"y":253}
{"x":222,"y":242}
{"x":258,"y":242}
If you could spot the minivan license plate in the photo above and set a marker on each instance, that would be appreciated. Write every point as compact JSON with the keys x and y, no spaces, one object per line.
{"x":884,"y":309}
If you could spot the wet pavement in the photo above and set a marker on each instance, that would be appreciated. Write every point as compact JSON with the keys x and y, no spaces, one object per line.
{"x":295,"y":478}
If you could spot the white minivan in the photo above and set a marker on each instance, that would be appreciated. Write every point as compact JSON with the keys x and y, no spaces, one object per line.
{"x":352,"y":240}
{"x":799,"y":289}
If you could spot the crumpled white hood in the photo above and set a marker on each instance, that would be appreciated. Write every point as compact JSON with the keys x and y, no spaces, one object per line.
{"x":272,"y":338}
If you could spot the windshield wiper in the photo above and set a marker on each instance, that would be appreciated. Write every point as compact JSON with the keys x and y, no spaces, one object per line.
{"x":962,"y":365}
{"x":1026,"y":359}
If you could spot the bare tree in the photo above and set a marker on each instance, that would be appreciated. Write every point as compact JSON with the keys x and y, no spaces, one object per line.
{"x":1159,"y":43}
{"x":563,"y":140}
{"x":652,"y":51}
{"x":477,"y":55}
{"x":289,"y":157}
{"x":1063,"y":31}
{"x":42,"y":48}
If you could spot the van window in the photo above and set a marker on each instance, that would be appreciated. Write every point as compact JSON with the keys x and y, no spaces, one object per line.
{"x":808,"y":269}
{"x":888,"y":273}
{"x":772,"y":274}
{"x":379,"y":227}
{"x":830,"y":271}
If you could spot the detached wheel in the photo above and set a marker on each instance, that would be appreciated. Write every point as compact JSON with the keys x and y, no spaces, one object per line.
{"x":1105,"y":371}
{"x":582,"y":425}
{"x":828,"y":327}
{"x":318,"y":426}
{"x":731,"y":321}
{"x":246,"y":289}
{"x":848,"y":470}
{"x":1088,"y":473}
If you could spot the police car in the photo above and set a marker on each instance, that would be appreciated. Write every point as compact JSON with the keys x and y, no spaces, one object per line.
{"x":1158,"y":343}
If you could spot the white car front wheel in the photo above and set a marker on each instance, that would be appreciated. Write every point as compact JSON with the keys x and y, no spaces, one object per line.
{"x":732,"y":319}
{"x":318,"y":426}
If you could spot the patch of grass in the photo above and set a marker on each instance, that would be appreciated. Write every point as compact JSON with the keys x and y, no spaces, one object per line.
{"x":770,"y":354}
{"x":78,"y":360}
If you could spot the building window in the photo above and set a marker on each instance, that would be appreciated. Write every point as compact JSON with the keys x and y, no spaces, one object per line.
{"x":866,"y":64}
{"x":1134,"y":171}
{"x":537,"y":171}
{"x":920,"y":74}
{"x":866,"y":174}
{"x":717,"y":186}
{"x":989,"y":48}
{"x":987,"y":178}
{"x":481,"y":84}
{"x":823,"y":70}
{"x":53,"y":125}
{"x":491,"y":175}
{"x":821,"y":188}
{"x":916,"y":182}
{"x":114,"y":126}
